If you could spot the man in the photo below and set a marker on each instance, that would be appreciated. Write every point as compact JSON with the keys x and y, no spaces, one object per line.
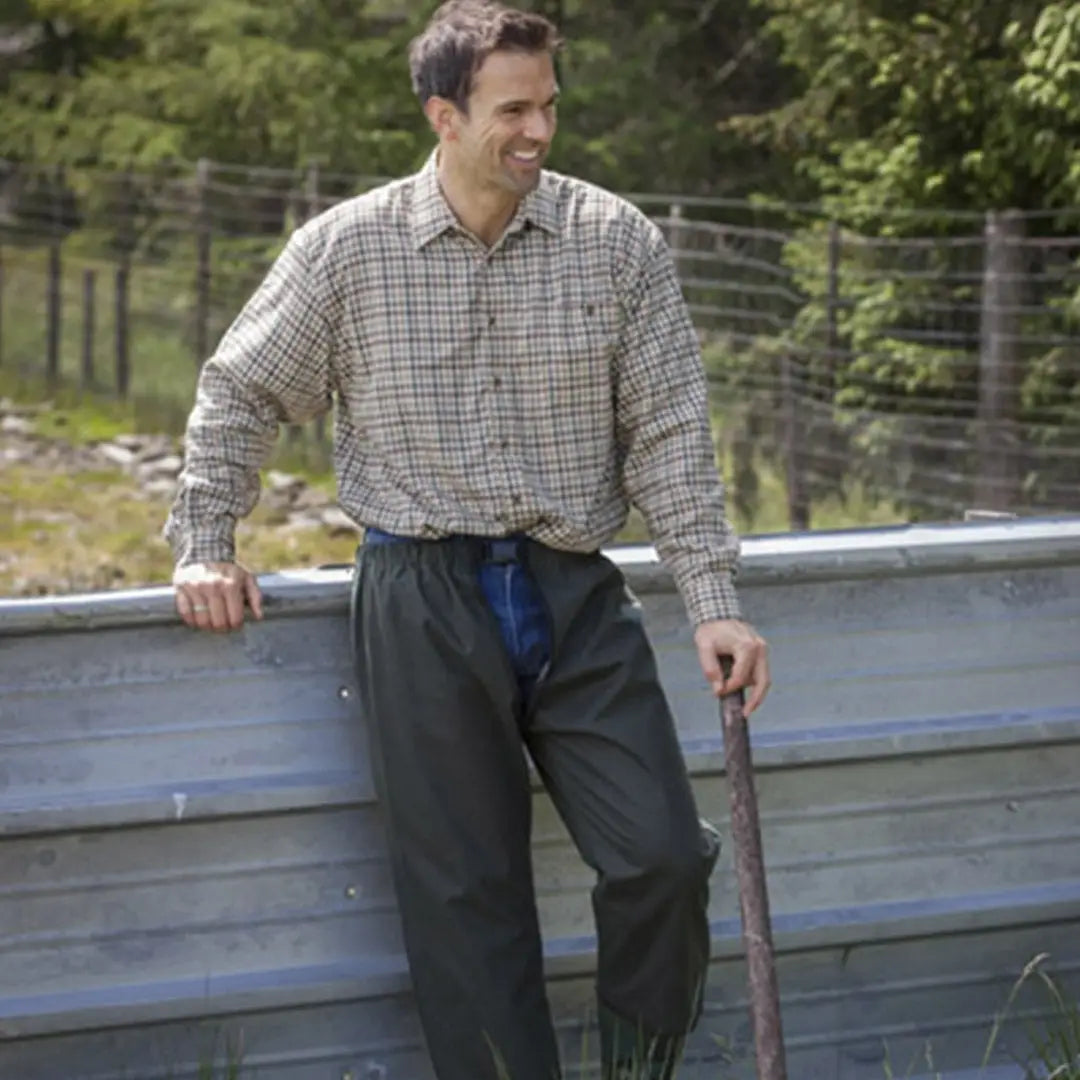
{"x":513,"y":363}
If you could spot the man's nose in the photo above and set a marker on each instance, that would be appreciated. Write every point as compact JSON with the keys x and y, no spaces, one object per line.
{"x":539,"y":126}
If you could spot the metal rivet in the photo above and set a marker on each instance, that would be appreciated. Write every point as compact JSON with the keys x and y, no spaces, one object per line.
{"x":343,"y":693}
{"x":1012,"y":806}
{"x":352,"y":892}
{"x":347,"y":1075}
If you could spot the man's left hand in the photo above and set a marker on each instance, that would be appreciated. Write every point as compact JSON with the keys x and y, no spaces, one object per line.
{"x":749,"y":659}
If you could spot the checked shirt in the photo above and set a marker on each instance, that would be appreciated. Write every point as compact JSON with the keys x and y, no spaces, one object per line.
{"x":540,"y":386}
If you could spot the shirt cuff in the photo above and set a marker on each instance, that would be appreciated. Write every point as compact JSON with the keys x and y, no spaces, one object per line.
{"x":204,"y":544}
{"x":710,"y":596}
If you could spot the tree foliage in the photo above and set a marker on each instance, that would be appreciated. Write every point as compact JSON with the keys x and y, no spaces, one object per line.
{"x":910,"y":119}
{"x":893,"y":114}
{"x":134,"y":83}
{"x":929,"y":103}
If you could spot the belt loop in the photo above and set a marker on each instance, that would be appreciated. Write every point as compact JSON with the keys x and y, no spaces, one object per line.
{"x":502,"y":549}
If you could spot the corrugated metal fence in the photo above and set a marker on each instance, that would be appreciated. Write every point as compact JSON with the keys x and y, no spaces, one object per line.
{"x":190,"y":846}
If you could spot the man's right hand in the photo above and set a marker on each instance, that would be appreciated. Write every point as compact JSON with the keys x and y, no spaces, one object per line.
{"x":211,"y":596}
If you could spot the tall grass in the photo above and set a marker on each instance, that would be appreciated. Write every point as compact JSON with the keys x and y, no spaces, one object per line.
{"x":1055,"y":1039}
{"x":1053,"y":1043}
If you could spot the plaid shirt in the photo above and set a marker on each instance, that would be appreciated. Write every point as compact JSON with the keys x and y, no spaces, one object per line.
{"x":538,"y":387}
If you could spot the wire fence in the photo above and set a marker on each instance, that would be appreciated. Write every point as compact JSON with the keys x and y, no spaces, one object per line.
{"x":922,"y":364}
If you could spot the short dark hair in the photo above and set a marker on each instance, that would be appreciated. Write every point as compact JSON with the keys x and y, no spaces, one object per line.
{"x":461,"y":35}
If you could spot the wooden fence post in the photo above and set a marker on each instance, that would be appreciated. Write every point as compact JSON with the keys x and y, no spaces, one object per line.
{"x":54,"y":313}
{"x":312,"y":205}
{"x":123,"y":368}
{"x":832,"y":306}
{"x":997,"y":436}
{"x":794,"y":449}
{"x":89,"y":283}
{"x":202,"y":261}
{"x":54,"y":286}
{"x":678,"y":238}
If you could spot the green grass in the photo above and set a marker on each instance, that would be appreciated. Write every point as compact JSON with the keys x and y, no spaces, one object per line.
{"x":92,"y":531}
{"x":164,"y":365}
{"x":65,"y":532}
{"x":68,"y":532}
{"x":1053,"y":1039}
{"x":161,"y":357}
{"x":1052,"y":1028}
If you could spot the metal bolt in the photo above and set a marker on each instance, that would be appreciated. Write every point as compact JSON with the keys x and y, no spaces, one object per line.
{"x":352,"y":892}
{"x":348,"y":1075}
{"x":1012,"y":806}
{"x":343,"y":693}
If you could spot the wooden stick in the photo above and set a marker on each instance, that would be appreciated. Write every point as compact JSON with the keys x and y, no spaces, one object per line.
{"x":753,"y":892}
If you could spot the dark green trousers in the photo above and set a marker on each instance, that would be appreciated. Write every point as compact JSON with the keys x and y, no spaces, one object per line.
{"x":448,"y":733}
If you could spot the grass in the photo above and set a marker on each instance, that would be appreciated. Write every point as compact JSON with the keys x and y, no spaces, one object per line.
{"x":90,"y":530}
{"x":161,"y":356}
{"x":61,"y":533}
{"x":1053,"y":1038}
{"x":1054,"y":1042}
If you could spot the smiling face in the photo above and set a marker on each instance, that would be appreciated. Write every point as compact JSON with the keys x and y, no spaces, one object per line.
{"x":503,"y":140}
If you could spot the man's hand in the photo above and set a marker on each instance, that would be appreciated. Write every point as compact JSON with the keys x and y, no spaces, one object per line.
{"x":210,"y":596}
{"x":749,"y":655}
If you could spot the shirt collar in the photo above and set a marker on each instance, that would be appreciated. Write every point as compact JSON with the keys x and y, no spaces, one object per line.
{"x":432,"y":216}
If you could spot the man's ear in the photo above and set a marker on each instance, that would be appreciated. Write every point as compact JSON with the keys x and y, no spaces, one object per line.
{"x":443,"y":116}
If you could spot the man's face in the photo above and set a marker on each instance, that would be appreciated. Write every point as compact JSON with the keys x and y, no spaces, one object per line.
{"x":507,"y":133}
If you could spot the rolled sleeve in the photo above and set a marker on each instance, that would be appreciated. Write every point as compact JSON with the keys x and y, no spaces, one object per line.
{"x":669,"y":463}
{"x":272,"y":367}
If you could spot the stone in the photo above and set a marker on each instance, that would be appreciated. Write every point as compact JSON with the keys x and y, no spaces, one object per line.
{"x":337,"y":522}
{"x":117,"y":454}
{"x":134,"y":443}
{"x":161,"y":487}
{"x":167,"y":466}
{"x":312,"y":498}
{"x":16,"y":425}
{"x":156,"y":446}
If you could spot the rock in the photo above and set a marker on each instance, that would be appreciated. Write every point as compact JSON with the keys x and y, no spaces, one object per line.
{"x":312,"y":498}
{"x":11,"y":408}
{"x":161,"y":487}
{"x":337,"y":522}
{"x":16,"y":425}
{"x":134,"y":443}
{"x":168,"y":466}
{"x":276,"y":481}
{"x":282,"y":489}
{"x":117,"y":454}
{"x":155,"y":447}
{"x":16,"y":455}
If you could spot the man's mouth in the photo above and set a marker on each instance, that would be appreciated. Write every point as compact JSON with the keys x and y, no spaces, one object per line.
{"x":525,"y":157}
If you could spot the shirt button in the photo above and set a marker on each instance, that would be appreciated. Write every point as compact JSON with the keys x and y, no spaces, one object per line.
{"x":504,"y":444}
{"x":515,"y":499}
{"x":496,"y":382}
{"x":491,"y":321}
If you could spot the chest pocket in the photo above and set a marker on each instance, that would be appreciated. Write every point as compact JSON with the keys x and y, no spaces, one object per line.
{"x":583,"y":328}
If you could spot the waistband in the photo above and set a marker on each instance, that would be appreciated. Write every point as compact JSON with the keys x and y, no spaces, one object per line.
{"x":496,"y":549}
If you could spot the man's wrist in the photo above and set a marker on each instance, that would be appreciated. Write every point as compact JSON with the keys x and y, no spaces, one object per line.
{"x":712,"y":599}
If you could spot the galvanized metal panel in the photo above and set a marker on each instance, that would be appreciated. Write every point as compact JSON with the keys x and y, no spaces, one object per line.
{"x":189,"y":832}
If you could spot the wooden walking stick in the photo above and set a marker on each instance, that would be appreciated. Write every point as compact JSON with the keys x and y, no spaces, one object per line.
{"x":753,"y":893}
